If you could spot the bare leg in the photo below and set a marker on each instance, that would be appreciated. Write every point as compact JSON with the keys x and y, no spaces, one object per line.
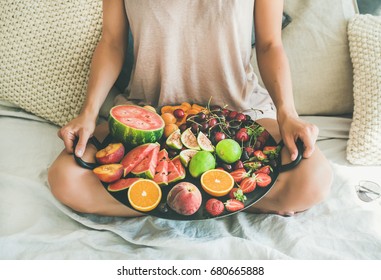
{"x":298,"y":189}
{"x":80,"y":189}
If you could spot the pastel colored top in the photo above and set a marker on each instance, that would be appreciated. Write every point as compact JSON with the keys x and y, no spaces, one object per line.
{"x":194,"y":50}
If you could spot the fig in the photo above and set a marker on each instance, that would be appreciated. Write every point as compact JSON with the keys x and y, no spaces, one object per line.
{"x":173,"y":141}
{"x":204,"y":142}
{"x":189,"y":140}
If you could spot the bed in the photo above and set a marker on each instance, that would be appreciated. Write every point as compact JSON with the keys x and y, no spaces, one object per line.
{"x":35,"y":226}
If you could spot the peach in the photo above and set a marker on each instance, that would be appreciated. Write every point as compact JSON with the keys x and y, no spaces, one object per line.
{"x":113,"y":153}
{"x":184,"y":198}
{"x":109,"y":173}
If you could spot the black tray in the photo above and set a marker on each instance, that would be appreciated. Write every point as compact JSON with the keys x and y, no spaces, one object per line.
{"x":164,"y":211}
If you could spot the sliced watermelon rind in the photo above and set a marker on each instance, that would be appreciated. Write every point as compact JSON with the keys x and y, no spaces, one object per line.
{"x":131,"y":136}
{"x":135,"y":156}
{"x":147,"y":166}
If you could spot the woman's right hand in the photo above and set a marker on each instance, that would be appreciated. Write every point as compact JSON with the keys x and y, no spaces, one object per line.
{"x":81,"y":127}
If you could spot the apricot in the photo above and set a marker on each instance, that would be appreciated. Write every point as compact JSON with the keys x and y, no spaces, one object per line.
{"x":169,"y":128}
{"x":168,"y":118}
{"x":184,"y":198}
{"x":113,"y":153}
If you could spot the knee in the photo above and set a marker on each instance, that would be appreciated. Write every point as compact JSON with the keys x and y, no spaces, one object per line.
{"x":67,"y":190}
{"x":314,"y":186}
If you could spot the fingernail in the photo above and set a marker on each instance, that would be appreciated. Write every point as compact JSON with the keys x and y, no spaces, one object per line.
{"x":79,"y":153}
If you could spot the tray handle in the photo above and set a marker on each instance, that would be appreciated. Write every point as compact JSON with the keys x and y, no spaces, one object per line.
{"x":293,"y":164}
{"x":98,"y":145}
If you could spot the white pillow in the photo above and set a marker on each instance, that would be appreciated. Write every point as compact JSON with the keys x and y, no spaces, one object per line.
{"x":316,"y":44}
{"x":45,"y":53}
{"x":364,"y":145}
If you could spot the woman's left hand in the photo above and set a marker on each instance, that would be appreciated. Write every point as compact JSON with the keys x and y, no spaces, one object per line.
{"x":293,"y":128}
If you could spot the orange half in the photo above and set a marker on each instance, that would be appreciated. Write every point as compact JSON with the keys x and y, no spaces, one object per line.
{"x":144,"y":195}
{"x":217,"y":182}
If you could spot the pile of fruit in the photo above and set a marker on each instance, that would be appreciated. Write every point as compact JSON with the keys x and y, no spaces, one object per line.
{"x":222,"y":151}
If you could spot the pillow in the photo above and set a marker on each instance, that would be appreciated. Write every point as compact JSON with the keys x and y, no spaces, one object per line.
{"x":364,"y":144}
{"x":316,"y":44}
{"x":45,"y":53}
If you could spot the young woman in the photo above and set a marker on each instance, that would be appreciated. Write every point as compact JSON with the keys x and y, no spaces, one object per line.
{"x":191,"y":50}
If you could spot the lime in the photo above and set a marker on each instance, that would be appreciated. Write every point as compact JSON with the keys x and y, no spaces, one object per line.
{"x":228,"y":150}
{"x":201,"y":162}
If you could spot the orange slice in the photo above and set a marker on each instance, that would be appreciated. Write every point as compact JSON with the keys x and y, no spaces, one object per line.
{"x":217,"y":182}
{"x":144,"y":195}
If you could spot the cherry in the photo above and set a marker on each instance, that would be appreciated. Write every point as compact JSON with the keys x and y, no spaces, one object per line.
{"x":218,"y":136}
{"x":215,"y":108}
{"x":240,"y":117}
{"x":212,"y":122}
{"x":225,"y":112}
{"x":227,"y":167}
{"x":179,"y":113}
{"x":204,"y":127}
{"x":242,"y":136}
{"x":195,"y":128}
{"x":232,"y":115}
{"x":238,"y":165}
{"x":245,"y":155}
{"x":201,"y":116}
{"x":249,"y":151}
{"x":183,"y":127}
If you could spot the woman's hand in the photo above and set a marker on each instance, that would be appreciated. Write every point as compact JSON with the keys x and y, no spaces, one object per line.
{"x":293,"y":128}
{"x":82,"y":127}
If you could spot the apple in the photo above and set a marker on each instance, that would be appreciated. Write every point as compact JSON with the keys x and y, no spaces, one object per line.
{"x":113,"y":153}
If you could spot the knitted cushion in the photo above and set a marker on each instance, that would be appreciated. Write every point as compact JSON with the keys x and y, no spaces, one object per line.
{"x":45,"y":53}
{"x":364,"y":145}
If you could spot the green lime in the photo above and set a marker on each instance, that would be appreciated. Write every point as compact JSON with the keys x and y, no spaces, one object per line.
{"x":201,"y":162}
{"x":228,"y":150}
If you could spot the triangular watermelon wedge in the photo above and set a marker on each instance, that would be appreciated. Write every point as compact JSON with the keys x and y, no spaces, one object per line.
{"x":176,"y":170}
{"x":146,"y":168}
{"x":136,"y":155}
{"x":161,"y":172}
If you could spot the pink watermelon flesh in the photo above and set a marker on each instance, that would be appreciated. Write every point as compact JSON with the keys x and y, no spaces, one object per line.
{"x":161,"y":172}
{"x":179,"y":166}
{"x":146,"y":168}
{"x":121,"y":184}
{"x":136,"y":155}
{"x":137,"y":117}
{"x":174,"y":174}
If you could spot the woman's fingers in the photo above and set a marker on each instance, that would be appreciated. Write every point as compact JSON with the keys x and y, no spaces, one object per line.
{"x":84,"y":136}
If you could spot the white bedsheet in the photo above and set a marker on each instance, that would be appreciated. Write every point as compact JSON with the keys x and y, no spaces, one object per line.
{"x":33,"y":225}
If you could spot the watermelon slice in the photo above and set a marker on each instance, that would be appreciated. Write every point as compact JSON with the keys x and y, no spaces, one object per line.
{"x":134,"y":125}
{"x":121,"y":184}
{"x":161,"y":172}
{"x":136,"y":155}
{"x":146,"y":168}
{"x":176,"y":171}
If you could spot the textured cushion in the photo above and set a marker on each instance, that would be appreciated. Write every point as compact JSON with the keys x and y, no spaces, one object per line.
{"x":364,"y":145}
{"x":316,"y":44}
{"x":45,"y":52}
